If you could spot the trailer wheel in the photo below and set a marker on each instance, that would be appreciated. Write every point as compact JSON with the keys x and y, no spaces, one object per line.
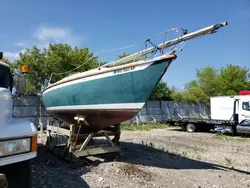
{"x":190,"y":127}
{"x":18,"y":174}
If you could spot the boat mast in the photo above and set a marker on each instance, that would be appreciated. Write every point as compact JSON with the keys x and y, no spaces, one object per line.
{"x":207,"y":30}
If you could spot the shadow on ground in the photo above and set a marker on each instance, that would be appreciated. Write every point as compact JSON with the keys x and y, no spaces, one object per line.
{"x":149,"y":156}
{"x":49,"y":171}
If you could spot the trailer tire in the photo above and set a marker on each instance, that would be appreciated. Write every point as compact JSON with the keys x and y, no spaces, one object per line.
{"x":18,"y":174}
{"x":190,"y":127}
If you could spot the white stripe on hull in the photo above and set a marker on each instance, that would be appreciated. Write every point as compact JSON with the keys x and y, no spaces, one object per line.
{"x":98,"y":76}
{"x":98,"y":107}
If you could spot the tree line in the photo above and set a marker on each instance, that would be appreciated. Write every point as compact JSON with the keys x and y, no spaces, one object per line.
{"x":62,"y":60}
{"x":226,"y":81}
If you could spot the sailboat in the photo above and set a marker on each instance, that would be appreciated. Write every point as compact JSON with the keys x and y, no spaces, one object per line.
{"x":116,"y":91}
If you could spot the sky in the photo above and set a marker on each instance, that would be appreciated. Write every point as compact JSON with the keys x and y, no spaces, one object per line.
{"x":104,"y":25}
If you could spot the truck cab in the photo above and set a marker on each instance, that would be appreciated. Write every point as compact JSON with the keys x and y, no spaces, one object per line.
{"x":243,"y":125}
{"x":244,"y":109}
{"x":18,"y":137}
{"x":231,"y":111}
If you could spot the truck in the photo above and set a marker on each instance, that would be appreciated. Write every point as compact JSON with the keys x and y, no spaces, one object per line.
{"x":18,"y":137}
{"x":232,"y":112}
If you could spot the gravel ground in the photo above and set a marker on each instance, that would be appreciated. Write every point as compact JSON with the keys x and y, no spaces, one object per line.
{"x":172,"y":159}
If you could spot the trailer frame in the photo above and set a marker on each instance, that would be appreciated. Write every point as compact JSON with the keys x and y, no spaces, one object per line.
{"x":193,"y":125}
{"x":71,"y":144}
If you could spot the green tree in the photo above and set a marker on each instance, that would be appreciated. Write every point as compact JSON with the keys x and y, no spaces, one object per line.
{"x":208,"y":80}
{"x":234,"y":79}
{"x":57,"y":58}
{"x":194,"y":94}
{"x":161,"y":92}
{"x":228,"y":80}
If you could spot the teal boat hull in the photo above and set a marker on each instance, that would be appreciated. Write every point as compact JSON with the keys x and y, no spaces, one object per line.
{"x":107,"y":100}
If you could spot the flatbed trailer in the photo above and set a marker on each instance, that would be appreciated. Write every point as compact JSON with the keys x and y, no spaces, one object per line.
{"x":192,"y":125}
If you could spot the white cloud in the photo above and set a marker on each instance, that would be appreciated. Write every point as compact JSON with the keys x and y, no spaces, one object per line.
{"x":12,"y":56}
{"x":43,"y":36}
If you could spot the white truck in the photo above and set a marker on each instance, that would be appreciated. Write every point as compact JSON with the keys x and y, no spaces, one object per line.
{"x":225,"y":111}
{"x":18,"y":137}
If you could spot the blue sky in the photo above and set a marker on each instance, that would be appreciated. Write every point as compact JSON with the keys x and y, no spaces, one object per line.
{"x":102,"y":25}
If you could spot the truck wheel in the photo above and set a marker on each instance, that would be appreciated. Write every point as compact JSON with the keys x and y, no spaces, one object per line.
{"x":3,"y":181}
{"x":18,"y":174}
{"x":190,"y":127}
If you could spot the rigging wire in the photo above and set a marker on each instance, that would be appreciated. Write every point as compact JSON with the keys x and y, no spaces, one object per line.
{"x":111,"y":50}
{"x":116,"y":49}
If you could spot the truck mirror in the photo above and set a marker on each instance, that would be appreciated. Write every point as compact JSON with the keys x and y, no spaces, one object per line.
{"x":21,"y":82}
{"x":1,"y":55}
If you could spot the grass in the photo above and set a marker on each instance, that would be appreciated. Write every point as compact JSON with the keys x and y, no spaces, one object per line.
{"x":142,"y":127}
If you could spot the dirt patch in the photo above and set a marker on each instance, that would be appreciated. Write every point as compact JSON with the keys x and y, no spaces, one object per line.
{"x":133,"y":171}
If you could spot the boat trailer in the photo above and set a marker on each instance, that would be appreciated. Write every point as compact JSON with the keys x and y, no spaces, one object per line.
{"x":72,"y":142}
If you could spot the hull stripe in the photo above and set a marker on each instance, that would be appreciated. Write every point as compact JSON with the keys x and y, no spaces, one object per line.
{"x":105,"y":75}
{"x":98,"y":107}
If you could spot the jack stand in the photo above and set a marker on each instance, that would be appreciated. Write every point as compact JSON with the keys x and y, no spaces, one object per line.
{"x":77,"y":144}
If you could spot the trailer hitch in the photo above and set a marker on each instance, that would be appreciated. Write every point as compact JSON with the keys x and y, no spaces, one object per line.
{"x":3,"y":181}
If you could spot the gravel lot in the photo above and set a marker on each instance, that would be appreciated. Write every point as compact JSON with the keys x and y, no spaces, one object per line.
{"x":181,"y":160}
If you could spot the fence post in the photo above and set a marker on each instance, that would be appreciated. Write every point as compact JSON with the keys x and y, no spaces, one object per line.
{"x":40,"y":114}
{"x":146,"y":105}
{"x":161,"y":111}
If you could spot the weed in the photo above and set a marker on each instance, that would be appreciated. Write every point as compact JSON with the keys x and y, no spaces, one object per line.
{"x":149,"y":147}
{"x":153,"y":122}
{"x":198,"y":157}
{"x":184,"y":154}
{"x":229,"y":161}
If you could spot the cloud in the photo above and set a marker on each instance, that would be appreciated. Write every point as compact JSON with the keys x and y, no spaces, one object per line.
{"x":43,"y":36}
{"x":12,"y":56}
{"x":46,"y":35}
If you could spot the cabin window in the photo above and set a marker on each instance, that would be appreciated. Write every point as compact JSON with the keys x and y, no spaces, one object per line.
{"x":246,"y":106}
{"x":5,"y":78}
{"x":245,"y":122}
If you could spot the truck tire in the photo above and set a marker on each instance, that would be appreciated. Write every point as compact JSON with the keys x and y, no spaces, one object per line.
{"x":18,"y":174}
{"x":190,"y":127}
{"x":3,"y":181}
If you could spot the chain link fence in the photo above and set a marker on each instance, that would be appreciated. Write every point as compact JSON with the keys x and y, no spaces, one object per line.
{"x":162,"y":110}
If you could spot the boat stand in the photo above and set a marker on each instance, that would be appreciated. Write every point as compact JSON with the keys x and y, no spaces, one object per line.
{"x":75,"y":141}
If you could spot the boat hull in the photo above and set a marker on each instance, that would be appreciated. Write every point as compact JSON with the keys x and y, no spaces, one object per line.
{"x":105,"y":99}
